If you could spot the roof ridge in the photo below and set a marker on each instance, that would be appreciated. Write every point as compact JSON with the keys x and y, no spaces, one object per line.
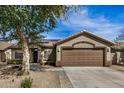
{"x":84,"y":31}
{"x":99,"y":36}
{"x":71,"y":36}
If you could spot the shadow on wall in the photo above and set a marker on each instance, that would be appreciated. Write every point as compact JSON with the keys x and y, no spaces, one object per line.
{"x":51,"y":57}
{"x":114,"y":59}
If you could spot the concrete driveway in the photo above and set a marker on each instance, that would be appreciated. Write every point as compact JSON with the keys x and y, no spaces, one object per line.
{"x":95,"y":77}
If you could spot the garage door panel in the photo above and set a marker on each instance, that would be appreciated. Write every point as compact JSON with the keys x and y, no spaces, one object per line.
{"x":82,"y":57}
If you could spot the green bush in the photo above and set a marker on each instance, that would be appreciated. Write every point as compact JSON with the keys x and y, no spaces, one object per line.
{"x":15,"y":62}
{"x":26,"y":83}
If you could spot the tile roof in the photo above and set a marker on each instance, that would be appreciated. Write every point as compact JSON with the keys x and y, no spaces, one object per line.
{"x":48,"y":43}
{"x":86,"y":33}
{"x":4,"y":45}
{"x":119,"y":43}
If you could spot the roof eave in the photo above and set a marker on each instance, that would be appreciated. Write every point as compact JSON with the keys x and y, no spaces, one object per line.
{"x":84,"y":32}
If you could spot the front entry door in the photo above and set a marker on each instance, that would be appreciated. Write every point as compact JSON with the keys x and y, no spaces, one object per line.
{"x":35,"y":55}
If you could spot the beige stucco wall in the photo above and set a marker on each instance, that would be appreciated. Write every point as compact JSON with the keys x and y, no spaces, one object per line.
{"x":50,"y":56}
{"x":118,"y":57}
{"x":82,"y":39}
{"x":8,"y":54}
{"x":83,"y":45}
{"x":31,"y":56}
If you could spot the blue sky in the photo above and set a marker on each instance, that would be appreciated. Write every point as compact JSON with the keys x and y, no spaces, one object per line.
{"x":105,"y":21}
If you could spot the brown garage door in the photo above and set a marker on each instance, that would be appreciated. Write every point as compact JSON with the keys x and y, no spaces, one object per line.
{"x":82,"y":57}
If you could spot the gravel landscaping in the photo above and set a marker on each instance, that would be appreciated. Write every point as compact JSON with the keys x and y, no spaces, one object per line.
{"x":48,"y":79}
{"x":118,"y":67}
{"x":64,"y":80}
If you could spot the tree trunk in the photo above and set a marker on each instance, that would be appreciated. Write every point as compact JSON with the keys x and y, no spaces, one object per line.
{"x":26,"y":58}
{"x":25,"y":49}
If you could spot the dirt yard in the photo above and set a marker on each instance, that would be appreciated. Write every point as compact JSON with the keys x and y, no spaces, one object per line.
{"x":47,"y":78}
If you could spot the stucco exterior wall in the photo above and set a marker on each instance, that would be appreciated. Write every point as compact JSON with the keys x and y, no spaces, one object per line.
{"x":2,"y":56}
{"x":31,"y":55}
{"x":114,"y":57}
{"x":8,"y":54}
{"x":83,"y":38}
{"x":83,"y":45}
{"x":118,"y":57}
{"x":48,"y":56}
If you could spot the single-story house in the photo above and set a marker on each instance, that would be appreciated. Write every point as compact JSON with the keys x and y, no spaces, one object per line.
{"x":38,"y":54}
{"x":81,"y":49}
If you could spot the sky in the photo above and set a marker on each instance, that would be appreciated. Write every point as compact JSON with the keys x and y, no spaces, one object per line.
{"x":105,"y":21}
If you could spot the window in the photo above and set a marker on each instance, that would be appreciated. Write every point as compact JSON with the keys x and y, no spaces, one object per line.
{"x":18,"y":55}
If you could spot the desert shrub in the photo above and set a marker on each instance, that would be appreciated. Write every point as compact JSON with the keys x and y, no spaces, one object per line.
{"x":26,"y":83}
{"x":20,"y":73}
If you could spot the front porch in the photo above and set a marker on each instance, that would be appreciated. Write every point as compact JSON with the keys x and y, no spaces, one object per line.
{"x":35,"y":55}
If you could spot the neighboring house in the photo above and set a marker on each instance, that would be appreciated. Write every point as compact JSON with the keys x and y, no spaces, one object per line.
{"x":81,"y":49}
